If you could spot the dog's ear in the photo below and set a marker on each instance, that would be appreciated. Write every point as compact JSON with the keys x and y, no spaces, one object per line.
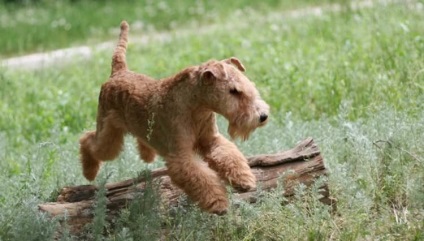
{"x":208,"y":76}
{"x":236,"y":62}
{"x":212,"y":73}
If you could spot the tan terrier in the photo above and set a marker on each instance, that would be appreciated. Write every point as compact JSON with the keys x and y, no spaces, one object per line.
{"x":175,"y":118}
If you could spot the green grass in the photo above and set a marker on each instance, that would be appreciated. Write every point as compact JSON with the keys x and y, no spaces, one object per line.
{"x":45,"y":24}
{"x":353,"y":80}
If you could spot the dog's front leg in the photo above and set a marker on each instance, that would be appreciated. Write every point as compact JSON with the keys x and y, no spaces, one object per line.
{"x":224,"y":157}
{"x":201,"y":184}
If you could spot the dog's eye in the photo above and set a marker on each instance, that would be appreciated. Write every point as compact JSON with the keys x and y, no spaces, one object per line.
{"x":234,"y":91}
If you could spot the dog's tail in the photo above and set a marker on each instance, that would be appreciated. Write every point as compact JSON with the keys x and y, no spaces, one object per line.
{"x":119,"y":61}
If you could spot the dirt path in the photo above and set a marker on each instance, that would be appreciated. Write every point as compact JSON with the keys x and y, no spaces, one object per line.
{"x":64,"y":56}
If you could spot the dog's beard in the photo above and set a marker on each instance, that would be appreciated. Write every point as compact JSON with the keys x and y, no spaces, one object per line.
{"x":241,"y":126}
{"x":236,"y":132}
{"x":241,"y":129}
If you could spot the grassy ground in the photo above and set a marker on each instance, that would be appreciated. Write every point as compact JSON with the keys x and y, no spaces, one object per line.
{"x":44,"y":24}
{"x":353,"y":80}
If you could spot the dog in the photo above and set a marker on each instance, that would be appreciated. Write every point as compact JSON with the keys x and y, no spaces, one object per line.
{"x":175,"y":118}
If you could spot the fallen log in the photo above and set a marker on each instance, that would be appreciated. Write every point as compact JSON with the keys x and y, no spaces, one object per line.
{"x":302,"y":164}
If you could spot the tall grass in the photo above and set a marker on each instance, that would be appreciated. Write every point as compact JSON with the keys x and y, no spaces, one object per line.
{"x":353,"y":80}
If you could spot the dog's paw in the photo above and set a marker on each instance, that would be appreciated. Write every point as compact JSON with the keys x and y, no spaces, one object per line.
{"x":218,"y":206}
{"x":244,"y":182}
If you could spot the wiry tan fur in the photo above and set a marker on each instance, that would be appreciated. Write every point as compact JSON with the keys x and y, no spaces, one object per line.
{"x":174,"y":117}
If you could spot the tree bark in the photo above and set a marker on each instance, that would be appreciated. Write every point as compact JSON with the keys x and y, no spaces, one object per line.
{"x":302,"y":164}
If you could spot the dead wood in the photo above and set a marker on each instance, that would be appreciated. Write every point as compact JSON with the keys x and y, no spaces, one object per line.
{"x":301,"y":164}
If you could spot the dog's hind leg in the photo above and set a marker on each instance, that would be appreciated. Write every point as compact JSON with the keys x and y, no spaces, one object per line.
{"x":101,"y":145}
{"x":146,"y":152}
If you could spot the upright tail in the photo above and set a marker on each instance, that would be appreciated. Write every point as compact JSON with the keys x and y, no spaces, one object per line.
{"x":119,"y":61}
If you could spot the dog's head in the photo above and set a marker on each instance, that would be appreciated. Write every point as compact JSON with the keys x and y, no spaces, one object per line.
{"x":229,"y":92}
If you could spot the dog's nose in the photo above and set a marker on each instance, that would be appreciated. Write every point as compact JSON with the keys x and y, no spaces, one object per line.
{"x":263,"y":117}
